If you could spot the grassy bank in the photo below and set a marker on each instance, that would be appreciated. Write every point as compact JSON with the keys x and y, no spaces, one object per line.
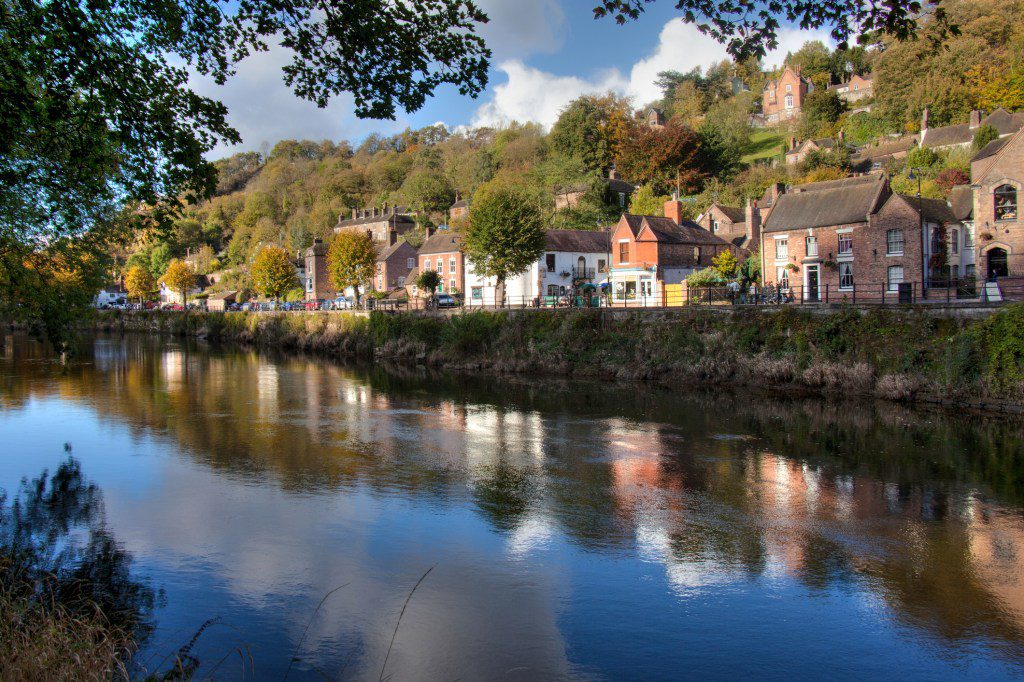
{"x":898,"y":354}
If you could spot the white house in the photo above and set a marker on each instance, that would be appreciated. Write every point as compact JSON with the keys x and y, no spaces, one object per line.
{"x":572,"y":259}
{"x":110,"y":295}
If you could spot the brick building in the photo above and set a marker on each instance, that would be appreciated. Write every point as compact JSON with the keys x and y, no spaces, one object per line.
{"x":856,"y":89}
{"x":318,"y":282}
{"x":379,"y":223}
{"x":394,"y":263}
{"x":783,"y":97}
{"x":741,"y":227}
{"x":997,"y":183}
{"x":650,"y":252}
{"x":442,"y":253}
{"x":854,"y":237}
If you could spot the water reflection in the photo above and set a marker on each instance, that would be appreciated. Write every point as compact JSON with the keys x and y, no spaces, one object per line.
{"x":566,"y":519}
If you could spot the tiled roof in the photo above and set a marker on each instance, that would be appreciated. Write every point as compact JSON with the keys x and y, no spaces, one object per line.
{"x":945,"y":136}
{"x":1003,"y":121}
{"x":934,"y":210}
{"x":444,"y":241}
{"x":391,"y":215}
{"x":665,"y":230}
{"x":392,"y":249}
{"x":822,"y":204}
{"x":733,"y":213}
{"x":961,"y":202}
{"x":991,"y":149}
{"x":577,"y":241}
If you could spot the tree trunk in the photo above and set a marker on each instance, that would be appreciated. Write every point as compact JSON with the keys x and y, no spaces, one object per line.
{"x":500,"y":292}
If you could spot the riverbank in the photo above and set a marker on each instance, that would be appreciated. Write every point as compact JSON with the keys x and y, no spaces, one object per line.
{"x":897,"y":354}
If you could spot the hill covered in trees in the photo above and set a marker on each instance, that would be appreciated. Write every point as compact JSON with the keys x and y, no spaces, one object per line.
{"x":298,"y":190}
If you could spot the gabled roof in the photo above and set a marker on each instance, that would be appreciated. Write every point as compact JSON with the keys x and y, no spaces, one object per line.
{"x":946,"y":136}
{"x":735,"y":214}
{"x":224,"y":296}
{"x":961,"y":202}
{"x":823,"y":204}
{"x":393,"y":249}
{"x":991,"y":159}
{"x":933,"y":210}
{"x":666,"y":231}
{"x":577,"y":241}
{"x":883,"y":149}
{"x":1003,"y":121}
{"x":461,"y":203}
{"x":441,"y":242}
{"x":991,"y":149}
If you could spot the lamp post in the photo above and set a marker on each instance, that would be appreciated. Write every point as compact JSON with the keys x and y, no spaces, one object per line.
{"x":915,"y":174}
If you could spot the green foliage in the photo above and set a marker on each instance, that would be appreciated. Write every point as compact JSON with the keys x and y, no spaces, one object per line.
{"x":923,"y":158}
{"x":864,"y":127}
{"x":427,"y":191}
{"x":506,"y":231}
{"x":578,"y":134}
{"x":272,"y":272}
{"x":429,"y":280}
{"x":708,"y":277}
{"x":351,"y":260}
{"x":821,"y":111}
{"x":984,"y":135}
{"x":726,"y":264}
{"x":1000,"y":346}
{"x":646,"y":202}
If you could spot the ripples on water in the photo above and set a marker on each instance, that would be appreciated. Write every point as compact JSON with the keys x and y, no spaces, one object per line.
{"x":577,"y":529}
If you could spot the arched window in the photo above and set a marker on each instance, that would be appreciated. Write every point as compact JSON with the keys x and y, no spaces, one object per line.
{"x":1005,"y":202}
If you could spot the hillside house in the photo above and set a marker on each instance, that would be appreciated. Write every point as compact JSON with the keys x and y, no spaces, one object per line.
{"x":651,"y":252}
{"x":378,"y":223}
{"x":962,"y":134}
{"x":317,"y":281}
{"x":739,"y":226}
{"x":855,"y":89}
{"x":618,"y":191}
{"x":782,"y":98}
{"x":798,"y":151}
{"x":875,"y":157}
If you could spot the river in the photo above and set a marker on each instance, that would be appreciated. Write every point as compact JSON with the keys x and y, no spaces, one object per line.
{"x":557,"y":529}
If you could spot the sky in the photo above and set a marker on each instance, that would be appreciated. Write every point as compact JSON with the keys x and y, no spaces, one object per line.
{"x":545,"y":54}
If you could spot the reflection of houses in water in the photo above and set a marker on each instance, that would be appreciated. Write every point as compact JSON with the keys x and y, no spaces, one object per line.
{"x":996,"y":541}
{"x":267,"y":389}
{"x":172,"y":366}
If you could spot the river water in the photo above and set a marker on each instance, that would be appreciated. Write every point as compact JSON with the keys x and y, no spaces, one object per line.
{"x":570,"y":529}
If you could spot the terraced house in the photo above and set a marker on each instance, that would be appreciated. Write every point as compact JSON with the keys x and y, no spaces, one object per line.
{"x":854,"y":238}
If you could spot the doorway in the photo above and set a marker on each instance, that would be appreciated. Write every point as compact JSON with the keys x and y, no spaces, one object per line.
{"x":811,"y":286}
{"x":997,"y":265}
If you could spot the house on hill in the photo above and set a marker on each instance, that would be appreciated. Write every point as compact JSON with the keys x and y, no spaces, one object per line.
{"x":619,"y":191}
{"x":855,"y":89}
{"x":378,"y":223}
{"x":650,"y":253}
{"x":442,"y":253}
{"x":962,"y":134}
{"x":798,"y":151}
{"x":997,"y":183}
{"x":782,"y":98}
{"x":874,"y":157}
{"x":739,"y":226}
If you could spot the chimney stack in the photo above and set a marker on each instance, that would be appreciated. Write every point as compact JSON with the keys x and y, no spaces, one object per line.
{"x":842,"y":136}
{"x":924,"y":119}
{"x":792,"y":144}
{"x":975,"y":119}
{"x":353,"y":214}
{"x":430,"y":231}
{"x":753,"y":217}
{"x":392,"y":237}
{"x":674,"y":210}
{"x":613,"y":173}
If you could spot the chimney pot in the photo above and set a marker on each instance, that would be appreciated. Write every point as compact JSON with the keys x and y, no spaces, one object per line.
{"x":674,"y":210}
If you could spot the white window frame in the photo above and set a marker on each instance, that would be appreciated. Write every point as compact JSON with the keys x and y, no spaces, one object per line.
{"x":784,"y":255}
{"x":789,"y":101}
{"x":410,"y":263}
{"x":890,"y":283}
{"x":440,"y":265}
{"x":451,"y":265}
{"x":809,"y":241}
{"x":888,"y":243}
{"x":841,"y":236}
{"x":954,"y":241}
{"x":850,"y":281}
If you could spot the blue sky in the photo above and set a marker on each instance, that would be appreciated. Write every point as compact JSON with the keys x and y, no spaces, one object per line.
{"x":546,"y":52}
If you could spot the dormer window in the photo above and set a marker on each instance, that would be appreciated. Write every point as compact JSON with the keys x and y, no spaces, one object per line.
{"x":789,"y":88}
{"x":1005,"y":202}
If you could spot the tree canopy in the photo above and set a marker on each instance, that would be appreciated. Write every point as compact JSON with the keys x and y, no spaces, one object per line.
{"x":351,"y":259}
{"x":180,"y":278}
{"x":272,"y":272}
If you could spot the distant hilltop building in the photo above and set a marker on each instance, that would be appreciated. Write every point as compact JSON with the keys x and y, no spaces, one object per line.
{"x":379,"y":223}
{"x":856,"y":89}
{"x":783,"y":97}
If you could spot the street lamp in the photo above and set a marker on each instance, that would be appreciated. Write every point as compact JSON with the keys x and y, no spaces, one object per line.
{"x":915,"y":174}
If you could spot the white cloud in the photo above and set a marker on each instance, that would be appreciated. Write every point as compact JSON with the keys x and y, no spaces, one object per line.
{"x":265,"y":110}
{"x":534,"y":95}
{"x":681,"y":47}
{"x":791,"y":40}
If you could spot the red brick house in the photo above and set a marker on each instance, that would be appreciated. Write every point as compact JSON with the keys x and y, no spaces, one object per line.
{"x":997,"y":182}
{"x":318,"y":282}
{"x":855,"y":238}
{"x":739,"y":226}
{"x":783,"y":97}
{"x":442,"y":253}
{"x":394,"y":263}
{"x":650,"y":252}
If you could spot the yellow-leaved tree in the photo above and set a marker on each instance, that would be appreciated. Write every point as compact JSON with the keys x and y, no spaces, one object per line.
{"x":351,"y":259}
{"x":179,"y":277}
{"x":273,"y":272}
{"x":139,"y":283}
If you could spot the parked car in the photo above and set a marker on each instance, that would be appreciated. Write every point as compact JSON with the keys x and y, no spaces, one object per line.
{"x":341,"y":303}
{"x":447,"y":301}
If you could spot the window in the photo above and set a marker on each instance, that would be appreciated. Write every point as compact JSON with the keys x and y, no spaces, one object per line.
{"x":954,"y":241}
{"x":954,"y":271}
{"x":812,"y":247}
{"x":781,"y":249}
{"x":410,"y":263}
{"x":714,"y":227}
{"x":895,"y":277}
{"x":771,"y":95}
{"x":401,"y":281}
{"x":789,"y":101}
{"x":696,"y":254}
{"x":602,"y":265}
{"x":623,"y":252}
{"x":549,"y":262}
{"x":968,"y":238}
{"x":1006,"y":202}
{"x":894,"y":242}
{"x":552,"y":290}
{"x":440,"y":266}
{"x":451,"y":265}
{"x":451,"y":285}
{"x":622,"y":199}
{"x":937,"y":246}
{"x":477,"y":293}
{"x":846,"y":275}
{"x":789,"y":87}
{"x":646,"y":289}
{"x":782,"y":276}
{"x":846,"y":244}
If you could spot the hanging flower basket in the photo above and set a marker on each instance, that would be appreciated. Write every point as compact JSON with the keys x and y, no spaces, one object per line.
{"x":792,"y":267}
{"x":987,"y":236}
{"x":831,"y":265}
